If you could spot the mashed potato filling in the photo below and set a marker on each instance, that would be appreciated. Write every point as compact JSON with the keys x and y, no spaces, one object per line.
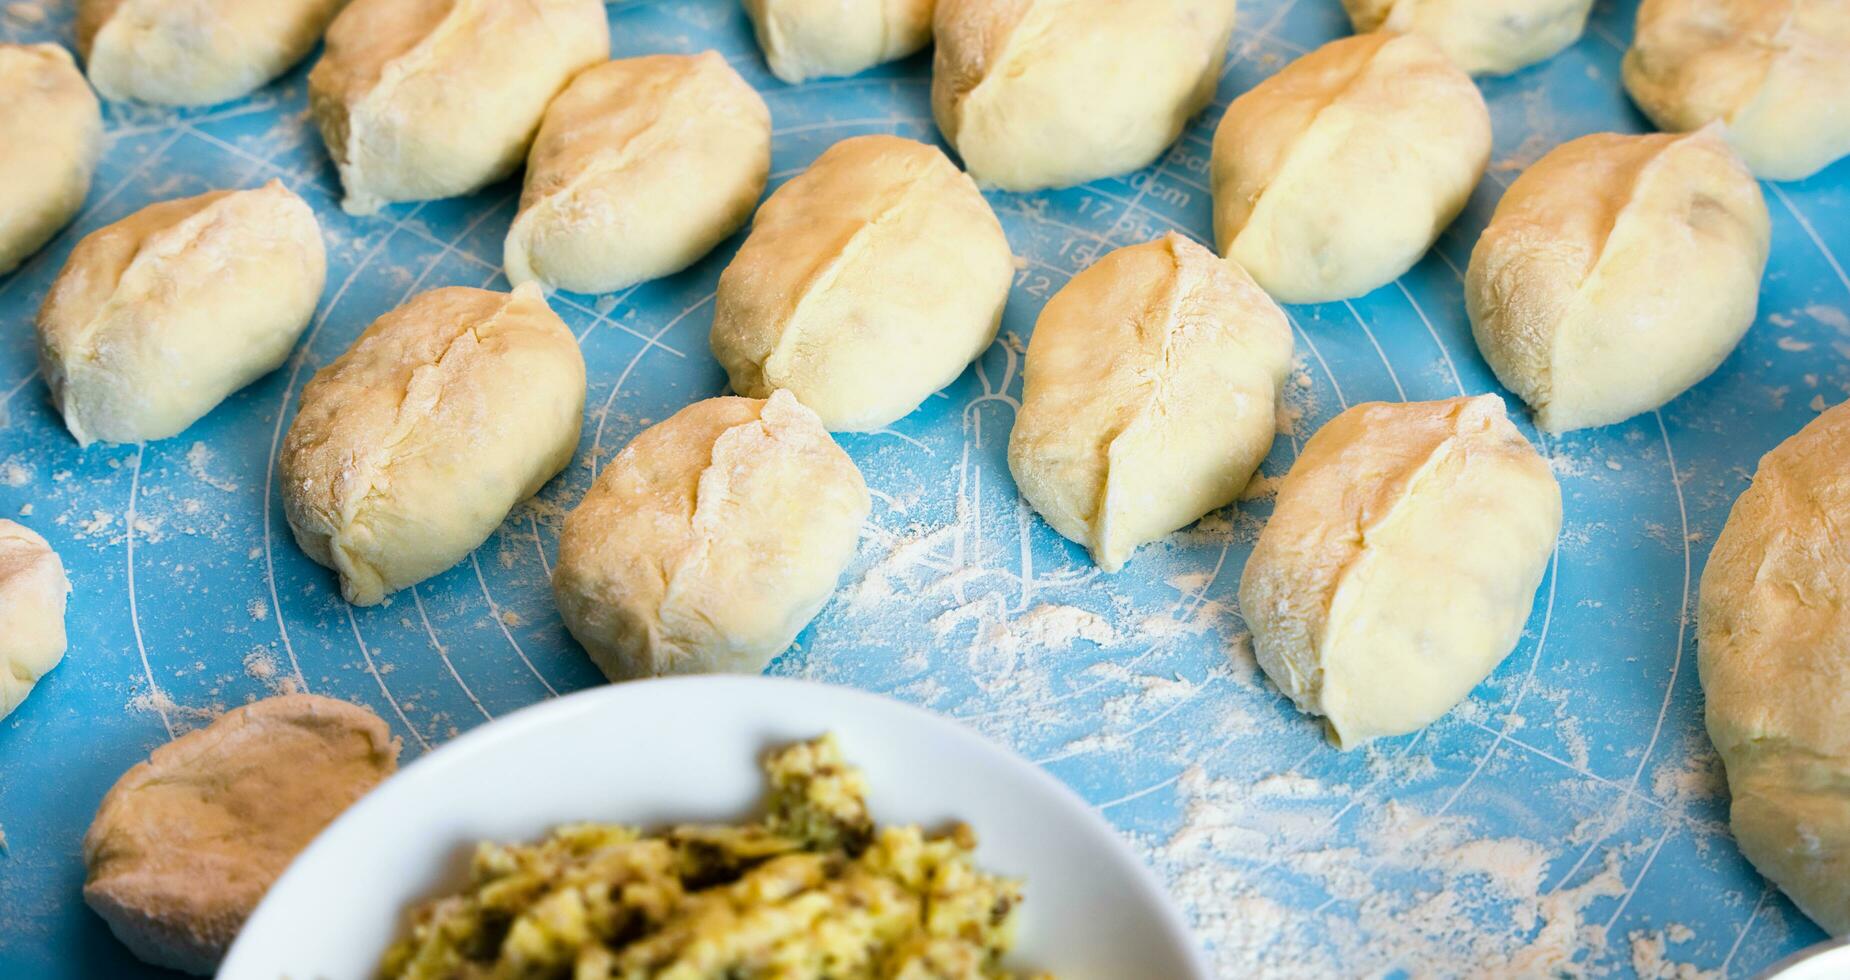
{"x":814,"y":889}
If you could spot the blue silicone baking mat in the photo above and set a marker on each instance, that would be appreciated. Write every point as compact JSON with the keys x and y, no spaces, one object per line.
{"x":1569,"y":817}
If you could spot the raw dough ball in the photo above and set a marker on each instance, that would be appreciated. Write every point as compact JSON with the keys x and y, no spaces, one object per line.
{"x":1400,"y":563}
{"x":32,"y":591}
{"x":641,"y":167}
{"x":51,"y":131}
{"x":157,"y":318}
{"x":421,"y":99}
{"x":1484,"y":37}
{"x":710,"y":541}
{"x":195,"y":52}
{"x":1617,"y":272}
{"x":1773,"y":647}
{"x":1776,"y":71}
{"x":804,"y":39}
{"x":186,"y":843}
{"x":1051,"y":93}
{"x":411,"y":448}
{"x":1333,"y":177}
{"x":868,"y":282}
{"x":1148,"y":397}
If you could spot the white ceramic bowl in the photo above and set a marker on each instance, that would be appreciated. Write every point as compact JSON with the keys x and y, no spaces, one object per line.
{"x":688,"y":749}
{"x":1828,"y":960}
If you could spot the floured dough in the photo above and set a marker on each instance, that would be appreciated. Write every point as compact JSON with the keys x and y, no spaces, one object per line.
{"x":195,"y":52}
{"x":805,"y":39}
{"x":32,"y":593}
{"x":1775,"y":71}
{"x":1484,"y":37}
{"x":710,"y":541}
{"x":641,"y":167}
{"x":413,"y":445}
{"x":1149,"y":395}
{"x":1333,"y":177}
{"x":1617,"y":272}
{"x":155,"y":319}
{"x":421,"y":99}
{"x":868,"y":282}
{"x":1400,"y":562}
{"x":1051,"y":93}
{"x":1773,"y":646}
{"x":50,"y":135}
{"x":186,"y":843}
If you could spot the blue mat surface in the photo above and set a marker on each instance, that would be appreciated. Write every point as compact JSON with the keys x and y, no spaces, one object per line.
{"x":1570,"y":812}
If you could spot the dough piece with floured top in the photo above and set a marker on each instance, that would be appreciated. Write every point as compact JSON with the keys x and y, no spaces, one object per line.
{"x":1776,"y":72}
{"x":195,"y":52}
{"x":805,"y":39}
{"x":1617,"y":272}
{"x":422,"y":99}
{"x":642,"y":166}
{"x":1484,"y":37}
{"x":1400,"y":563}
{"x":1149,"y":395}
{"x":868,"y":282}
{"x":412,"y":446}
{"x":185,"y":844}
{"x":710,"y":541}
{"x":1052,"y":93}
{"x":51,"y":133}
{"x":32,"y":595}
{"x":157,"y":318}
{"x":1334,"y":176}
{"x":1773,"y":648}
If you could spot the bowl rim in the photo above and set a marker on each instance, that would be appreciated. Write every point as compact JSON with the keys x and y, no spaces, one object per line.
{"x":1840,"y":944}
{"x":461,"y":751}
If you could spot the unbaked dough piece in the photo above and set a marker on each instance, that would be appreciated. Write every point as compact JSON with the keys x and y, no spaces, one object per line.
{"x":805,"y":39}
{"x":51,"y":132}
{"x":642,"y":166}
{"x":186,"y":843}
{"x":1051,"y":93}
{"x":710,"y":541}
{"x":1400,"y":563}
{"x":868,"y":282}
{"x":1775,"y":71}
{"x":411,"y":448}
{"x":195,"y":52}
{"x":1773,"y":648}
{"x":421,"y":99}
{"x":157,"y":318}
{"x":1484,"y":37}
{"x":1333,"y":177}
{"x":1617,"y":272}
{"x":1149,"y":395}
{"x":32,"y":593}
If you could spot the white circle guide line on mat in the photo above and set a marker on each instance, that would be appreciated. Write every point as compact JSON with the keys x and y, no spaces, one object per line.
{"x":1766,"y":891}
{"x":1644,"y":758}
{"x":155,"y":694}
{"x":1433,"y":331}
{"x":494,"y":611}
{"x":271,"y":488}
{"x":603,"y":415}
{"x":1401,"y":391}
{"x":443,"y":654}
{"x":378,"y":678}
{"x":1811,"y":233}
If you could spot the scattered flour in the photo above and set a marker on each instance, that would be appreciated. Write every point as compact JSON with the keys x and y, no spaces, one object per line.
{"x":197,"y":459}
{"x":1650,"y":959}
{"x":14,"y":474}
{"x":27,"y":11}
{"x":1404,"y":891}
